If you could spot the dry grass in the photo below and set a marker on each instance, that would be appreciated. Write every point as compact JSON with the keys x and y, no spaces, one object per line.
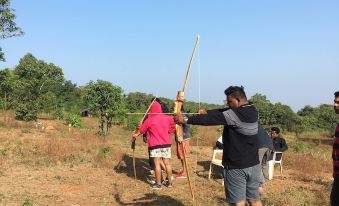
{"x":58,"y":167}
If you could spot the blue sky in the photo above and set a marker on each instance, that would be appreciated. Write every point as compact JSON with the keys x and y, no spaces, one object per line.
{"x":287,"y":50}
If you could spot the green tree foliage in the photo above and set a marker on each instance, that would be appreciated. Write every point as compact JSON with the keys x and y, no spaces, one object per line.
{"x":26,"y":111}
{"x":6,"y":86}
{"x":106,"y":100}
{"x":138,"y":102}
{"x":275,"y":114}
{"x":70,"y":97}
{"x":264,"y":107}
{"x":37,"y":85}
{"x":318,"y":118}
{"x":285,"y":117}
{"x":8,"y":27}
{"x":74,"y":120}
{"x":306,"y":111}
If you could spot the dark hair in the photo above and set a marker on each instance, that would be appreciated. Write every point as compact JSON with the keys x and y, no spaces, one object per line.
{"x":336,"y":94}
{"x":236,"y":91}
{"x":164,"y":107}
{"x":275,"y":129}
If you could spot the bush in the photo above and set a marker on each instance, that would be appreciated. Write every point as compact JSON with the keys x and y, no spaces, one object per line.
{"x":101,"y":133}
{"x":4,"y":151}
{"x":27,"y":201}
{"x":58,"y":114}
{"x":104,"y":151}
{"x":132,"y":122}
{"x":74,"y":120}
{"x":298,"y":146}
{"x":26,"y":112}
{"x":193,"y":130}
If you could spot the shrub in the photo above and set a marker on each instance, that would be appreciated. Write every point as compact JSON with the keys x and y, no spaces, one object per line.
{"x":58,"y":114}
{"x":298,"y":146}
{"x":25,"y":130}
{"x":193,"y":130}
{"x":4,"y":151}
{"x":26,"y":112}
{"x":132,"y":122}
{"x":104,"y":151}
{"x":74,"y":120}
{"x":27,"y":201}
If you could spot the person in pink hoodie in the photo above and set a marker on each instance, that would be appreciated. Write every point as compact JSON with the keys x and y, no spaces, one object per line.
{"x":158,"y":128}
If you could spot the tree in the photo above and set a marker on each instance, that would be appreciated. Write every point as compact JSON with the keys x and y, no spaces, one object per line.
{"x":137,"y":101}
{"x":8,"y":27}
{"x":6,"y":85}
{"x":106,"y":100}
{"x":35,"y":78}
{"x":327,"y":117}
{"x":306,"y":111}
{"x":318,"y":118}
{"x":264,"y":107}
{"x":275,"y":114}
{"x":285,"y":117}
{"x":69,"y":97}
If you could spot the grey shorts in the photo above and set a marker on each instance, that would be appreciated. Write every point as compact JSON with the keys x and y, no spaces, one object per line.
{"x":242,"y":184}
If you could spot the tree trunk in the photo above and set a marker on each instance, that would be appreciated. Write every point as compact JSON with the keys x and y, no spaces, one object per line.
{"x":5,"y":107}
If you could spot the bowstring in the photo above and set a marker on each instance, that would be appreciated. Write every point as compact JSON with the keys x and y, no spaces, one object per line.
{"x":199,"y":103}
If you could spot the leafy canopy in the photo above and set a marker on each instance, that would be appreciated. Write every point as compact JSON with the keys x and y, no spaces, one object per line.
{"x":8,"y":27}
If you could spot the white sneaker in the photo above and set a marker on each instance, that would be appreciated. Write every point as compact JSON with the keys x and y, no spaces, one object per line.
{"x":152,"y":182}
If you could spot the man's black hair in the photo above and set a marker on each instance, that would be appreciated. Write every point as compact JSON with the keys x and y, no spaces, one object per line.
{"x":276,"y":129}
{"x":236,"y":91}
{"x":336,"y":94}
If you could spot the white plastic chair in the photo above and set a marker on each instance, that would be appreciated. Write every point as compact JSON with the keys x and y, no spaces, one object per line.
{"x":215,"y":160}
{"x":278,"y":161}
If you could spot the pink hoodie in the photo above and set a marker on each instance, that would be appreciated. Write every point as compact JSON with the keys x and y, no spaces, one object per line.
{"x":158,"y":128}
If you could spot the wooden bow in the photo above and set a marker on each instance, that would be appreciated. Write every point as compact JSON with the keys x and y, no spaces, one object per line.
{"x":179,"y":131}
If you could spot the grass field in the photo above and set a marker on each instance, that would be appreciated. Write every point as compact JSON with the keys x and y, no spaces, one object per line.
{"x":55,"y":166}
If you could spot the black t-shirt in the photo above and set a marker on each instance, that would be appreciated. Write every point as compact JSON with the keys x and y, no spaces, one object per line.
{"x":240,"y":148}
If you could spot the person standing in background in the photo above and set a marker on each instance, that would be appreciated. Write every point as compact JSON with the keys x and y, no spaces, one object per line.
{"x":335,"y":157}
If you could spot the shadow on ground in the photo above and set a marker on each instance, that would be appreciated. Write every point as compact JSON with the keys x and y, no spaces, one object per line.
{"x":150,"y":199}
{"x":141,"y":166}
{"x":217,"y":171}
{"x":205,"y":164}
